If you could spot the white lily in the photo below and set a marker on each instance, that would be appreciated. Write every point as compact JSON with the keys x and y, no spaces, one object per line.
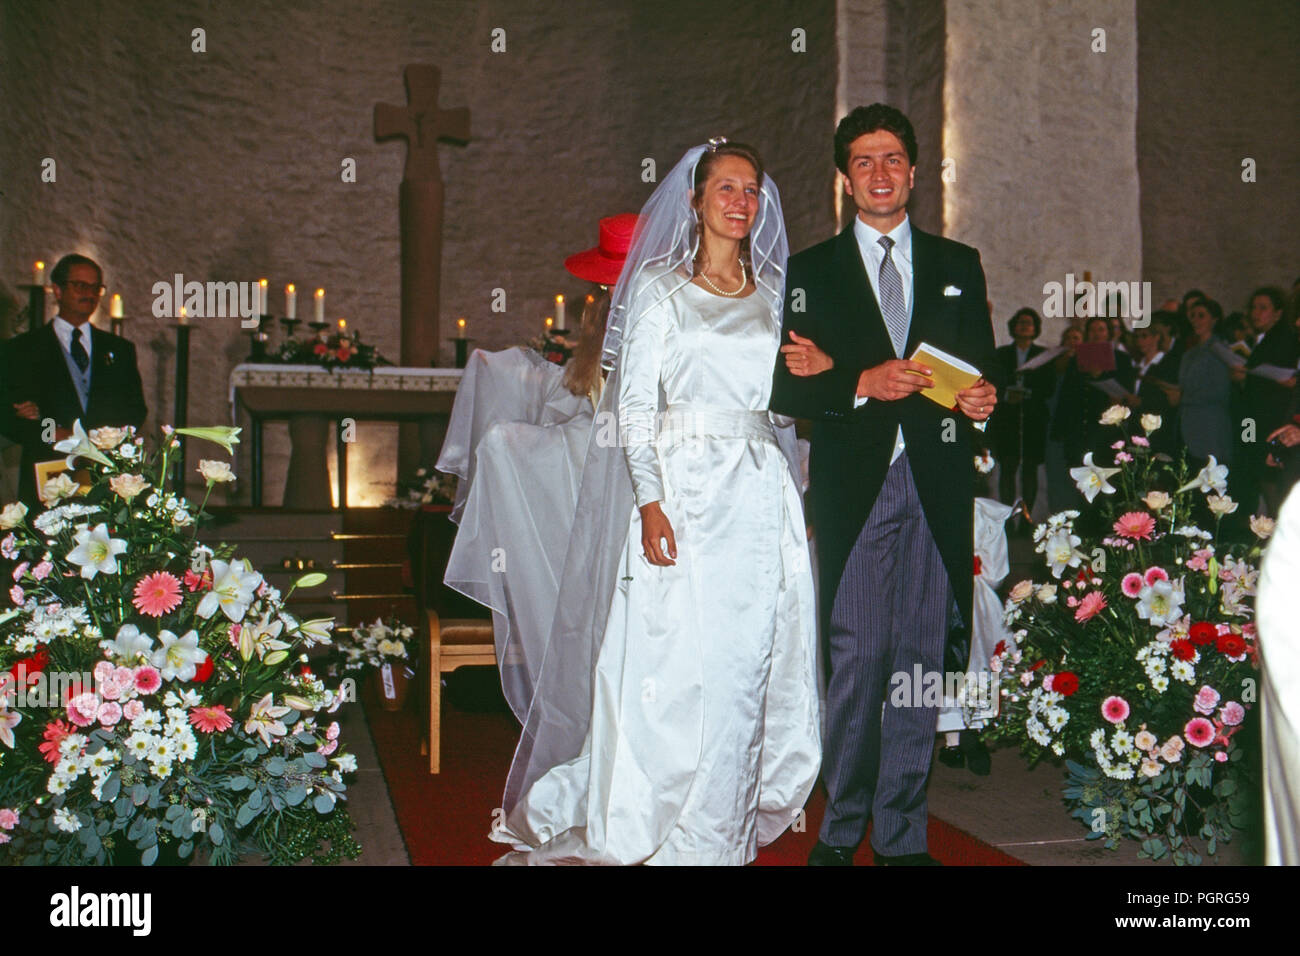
{"x":130,"y":645}
{"x":264,"y":720}
{"x":234,"y":584}
{"x":1092,"y":480}
{"x":9,"y":719}
{"x":96,"y":552}
{"x":1161,"y":603}
{"x":1213,"y":477}
{"x":1061,"y":551}
{"x":80,"y":446}
{"x":177,"y":658}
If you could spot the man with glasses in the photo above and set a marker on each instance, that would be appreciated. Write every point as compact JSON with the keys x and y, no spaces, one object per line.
{"x":67,"y":370}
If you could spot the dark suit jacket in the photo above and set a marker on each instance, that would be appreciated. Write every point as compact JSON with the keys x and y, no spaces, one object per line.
{"x":1266,"y":400}
{"x":1155,"y":402}
{"x":1080,"y":406}
{"x":851,"y":447}
{"x":35,"y":371}
{"x":1005,"y":425}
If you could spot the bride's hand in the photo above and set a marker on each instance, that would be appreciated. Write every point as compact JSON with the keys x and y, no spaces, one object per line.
{"x":804,"y":358}
{"x":655,"y":527}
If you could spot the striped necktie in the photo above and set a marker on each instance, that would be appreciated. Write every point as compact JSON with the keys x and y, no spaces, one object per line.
{"x":892,"y":306}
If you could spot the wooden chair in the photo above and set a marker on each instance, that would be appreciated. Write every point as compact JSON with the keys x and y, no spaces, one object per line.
{"x":453,"y":643}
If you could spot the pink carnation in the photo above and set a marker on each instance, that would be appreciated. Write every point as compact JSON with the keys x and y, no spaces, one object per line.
{"x":132,"y":709}
{"x":103,"y":671}
{"x":21,"y":570}
{"x":328,"y":748}
{"x":1132,"y":584}
{"x":1116,"y":446}
{"x":1199,"y":732}
{"x":1141,"y":441}
{"x":1207,"y":698}
{"x":42,"y":570}
{"x":1123,"y":457}
{"x":1200,"y":560}
{"x":16,"y":595}
{"x":8,"y":819}
{"x":1221,"y":757}
{"x":83,"y":709}
{"x":110,"y":712}
{"x":1047,"y":682}
{"x":1155,"y":574}
{"x":147,"y":680}
{"x":1116,"y":709}
{"x":1135,"y":525}
{"x":1090,"y":606}
{"x":1232,"y":713}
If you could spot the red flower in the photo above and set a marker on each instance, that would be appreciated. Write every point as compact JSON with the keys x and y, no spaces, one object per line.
{"x":978,"y":568}
{"x":321,"y":349}
{"x":1000,"y":648}
{"x":1183,"y":649}
{"x":1065,"y":683}
{"x":1231,"y":645}
{"x":1085,"y":574}
{"x":1202,"y":633}
{"x":196,"y":581}
{"x":344,"y":354}
{"x":54,"y":733}
{"x":30,"y":666}
{"x":1037,"y":664}
{"x":204,"y":670}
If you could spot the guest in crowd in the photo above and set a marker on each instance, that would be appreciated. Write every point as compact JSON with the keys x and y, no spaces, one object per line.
{"x":66,"y":371}
{"x":1018,"y":428}
{"x":1061,"y":491}
{"x":1152,"y":368}
{"x":1077,"y":420}
{"x":1171,"y":331}
{"x":1236,"y":331}
{"x":1119,"y":335}
{"x":1265,"y":401}
{"x":1203,"y":393}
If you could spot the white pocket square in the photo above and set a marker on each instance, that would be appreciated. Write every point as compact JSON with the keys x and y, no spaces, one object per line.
{"x":951,"y":290}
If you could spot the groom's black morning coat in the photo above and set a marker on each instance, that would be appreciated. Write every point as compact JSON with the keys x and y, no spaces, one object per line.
{"x":851,"y":448}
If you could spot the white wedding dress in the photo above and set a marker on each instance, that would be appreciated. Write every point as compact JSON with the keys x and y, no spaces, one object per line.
{"x":704,"y":739}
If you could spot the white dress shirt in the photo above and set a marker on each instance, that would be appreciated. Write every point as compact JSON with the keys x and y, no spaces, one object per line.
{"x":63,"y":329}
{"x":873,"y":254}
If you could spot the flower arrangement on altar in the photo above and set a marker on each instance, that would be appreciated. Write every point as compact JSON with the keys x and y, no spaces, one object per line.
{"x":426,"y":488}
{"x":1135,"y":659}
{"x":554,"y":348}
{"x":338,"y":348}
{"x":154,"y":693}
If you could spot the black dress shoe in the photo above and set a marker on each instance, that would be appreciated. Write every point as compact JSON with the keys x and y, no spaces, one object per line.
{"x":976,"y":753}
{"x":904,"y":859}
{"x":823,"y":855}
{"x":952,"y":757}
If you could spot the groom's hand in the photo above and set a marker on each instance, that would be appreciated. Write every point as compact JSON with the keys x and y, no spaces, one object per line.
{"x":892,"y":380}
{"x":978,"y":401}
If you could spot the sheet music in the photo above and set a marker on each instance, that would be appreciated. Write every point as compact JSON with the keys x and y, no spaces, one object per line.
{"x":1041,"y":359}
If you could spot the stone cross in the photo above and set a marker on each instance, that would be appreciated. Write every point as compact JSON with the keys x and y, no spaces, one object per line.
{"x":423,"y":125}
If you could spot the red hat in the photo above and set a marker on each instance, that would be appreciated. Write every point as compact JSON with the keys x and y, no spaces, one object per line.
{"x":604,"y":263}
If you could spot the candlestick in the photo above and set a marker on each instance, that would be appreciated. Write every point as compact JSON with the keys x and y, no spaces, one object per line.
{"x":115,"y":309}
{"x":460,"y":328}
{"x":38,"y":274}
{"x":462,"y":351}
{"x":261,"y":297}
{"x":290,"y":302}
{"x":181,"y":410}
{"x":559,"y":311}
{"x":320,"y":305}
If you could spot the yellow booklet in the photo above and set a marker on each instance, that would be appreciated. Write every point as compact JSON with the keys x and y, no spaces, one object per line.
{"x":951,"y":374}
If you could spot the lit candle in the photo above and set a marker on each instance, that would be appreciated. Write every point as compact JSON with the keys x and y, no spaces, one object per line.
{"x":343,"y":325}
{"x":460,"y":328}
{"x":290,"y":301}
{"x":115,"y":310}
{"x":320,"y":305}
{"x":559,"y":310}
{"x":38,"y":274}
{"x":261,"y":297}
{"x":550,"y":322}
{"x":183,"y":319}
{"x":590,"y":298}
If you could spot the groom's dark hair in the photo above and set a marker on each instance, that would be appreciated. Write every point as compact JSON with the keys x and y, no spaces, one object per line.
{"x":868,"y":119}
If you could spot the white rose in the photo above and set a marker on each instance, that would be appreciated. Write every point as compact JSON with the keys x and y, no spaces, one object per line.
{"x":58,"y":488}
{"x":127,"y":487}
{"x":1261,"y":525}
{"x":1155,"y":500}
{"x":1047,"y":594}
{"x":215,"y":471}
{"x":12,"y":515}
{"x":1021,"y":591}
{"x":1150,"y":422}
{"x":106,"y":438}
{"x":1221,"y":504}
{"x":1115,"y":414}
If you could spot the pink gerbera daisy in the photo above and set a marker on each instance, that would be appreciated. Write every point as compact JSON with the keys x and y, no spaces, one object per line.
{"x":1116,"y":710}
{"x":1199,"y":732}
{"x":211,"y":720}
{"x":157,"y":594}
{"x":1132,"y":584}
{"x":1135,"y":525}
{"x":147,"y":680}
{"x":1155,"y":574}
{"x":1090,"y":606}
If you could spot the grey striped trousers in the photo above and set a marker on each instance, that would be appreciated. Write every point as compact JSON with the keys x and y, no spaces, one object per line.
{"x":890,"y":614}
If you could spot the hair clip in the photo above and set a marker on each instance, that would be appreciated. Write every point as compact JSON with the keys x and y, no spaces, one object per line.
{"x":715,"y":142}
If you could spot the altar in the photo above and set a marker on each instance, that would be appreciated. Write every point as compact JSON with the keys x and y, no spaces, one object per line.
{"x":315,"y":401}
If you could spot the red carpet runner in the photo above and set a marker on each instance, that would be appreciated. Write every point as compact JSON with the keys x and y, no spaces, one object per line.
{"x":445,"y":818}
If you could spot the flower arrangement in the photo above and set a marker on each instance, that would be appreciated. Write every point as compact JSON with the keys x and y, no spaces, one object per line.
{"x":374,"y":645}
{"x":426,"y":488}
{"x":554,"y":348}
{"x":154,"y":696}
{"x":339,"y":348}
{"x":1135,"y":660}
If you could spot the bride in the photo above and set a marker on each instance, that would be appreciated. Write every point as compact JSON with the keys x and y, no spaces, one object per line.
{"x":675,"y":719}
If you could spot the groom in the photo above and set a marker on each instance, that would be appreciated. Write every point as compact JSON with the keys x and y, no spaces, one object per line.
{"x":891,"y":478}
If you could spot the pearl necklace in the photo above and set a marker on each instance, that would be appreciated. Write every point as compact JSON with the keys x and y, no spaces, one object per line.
{"x":744,"y":281}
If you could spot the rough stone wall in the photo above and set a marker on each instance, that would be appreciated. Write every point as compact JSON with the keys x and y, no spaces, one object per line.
{"x":225,"y":165}
{"x":1042,"y":132}
{"x":1219,"y":83}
